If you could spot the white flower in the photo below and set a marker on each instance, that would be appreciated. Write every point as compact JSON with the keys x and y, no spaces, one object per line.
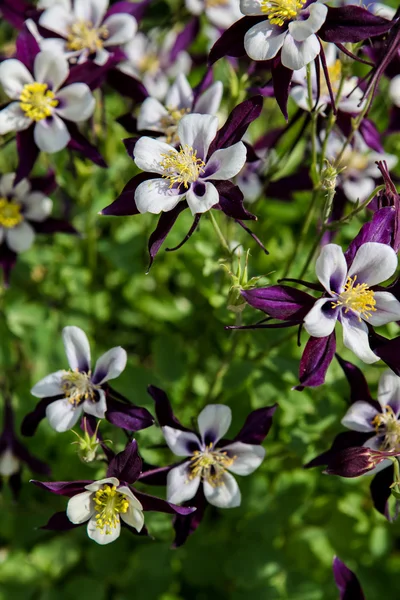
{"x":221,"y":13}
{"x":103,"y":505}
{"x":41,"y":100}
{"x":80,"y":389}
{"x":83,"y":29}
{"x":350,"y":297}
{"x":18,"y":206}
{"x":179,"y":101}
{"x":9,"y":463}
{"x":208,"y":463}
{"x":289,"y":27}
{"x":186,"y":172}
{"x":385,"y":423}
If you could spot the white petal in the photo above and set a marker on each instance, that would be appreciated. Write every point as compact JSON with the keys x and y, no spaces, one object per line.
{"x":77,"y":348}
{"x":180,"y":94}
{"x":96,"y":485}
{"x":13,"y":77}
{"x":359,"y":189}
{"x":103,"y":536}
{"x":179,"y":487}
{"x":149,"y":154}
{"x":248,"y":457}
{"x":96,"y":409}
{"x":374,"y":443}
{"x":320,"y":321}
{"x":225,"y":15}
{"x":196,"y":7}
{"x":355,"y":337}
{"x":62,"y":415}
{"x":121,"y":28}
{"x":331,"y":268}
{"x":301,"y":30}
{"x":389,"y":391}
{"x":209,"y":101}
{"x":387,"y":309}
{"x":197,"y":132}
{"x":296,"y":55}
{"x":91,"y":10}
{"x":77,"y":102}
{"x":359,"y":417}
{"x":182,"y":443}
{"x":394,"y":90}
{"x":200,"y":203}
{"x":57,"y":19}
{"x":214,"y":421}
{"x":133,"y":501}
{"x":226,"y":495}
{"x":251,"y":7}
{"x":7,"y":184}
{"x":12,"y":118}
{"x":50,"y":68}
{"x":150,"y":115}
{"x":80,"y":508}
{"x":9,"y":463}
{"x":51,"y":135}
{"x":49,"y":385}
{"x":20,"y":238}
{"x":263,"y":41}
{"x":155,"y":196}
{"x":228,"y":161}
{"x":37,"y":207}
{"x":133,"y":517}
{"x":110,"y":365}
{"x":373,"y":263}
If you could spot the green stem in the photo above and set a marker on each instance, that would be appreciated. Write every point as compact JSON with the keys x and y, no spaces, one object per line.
{"x":219,"y":233}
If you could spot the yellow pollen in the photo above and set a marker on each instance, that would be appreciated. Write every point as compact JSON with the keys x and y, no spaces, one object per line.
{"x":109,"y":503}
{"x":335,"y":75}
{"x":214,"y":3}
{"x":10,"y":213}
{"x":37,"y":101}
{"x":356,"y":297}
{"x":78,"y":387}
{"x":387,"y":425}
{"x":210,"y":465}
{"x":280,"y":11}
{"x":169,"y":123}
{"x":182,"y":166}
{"x":150,"y":63}
{"x":83,"y":36}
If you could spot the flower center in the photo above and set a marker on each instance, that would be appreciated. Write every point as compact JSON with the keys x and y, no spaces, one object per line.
{"x":213,"y":3}
{"x":149,"y":64}
{"x":37,"y":101}
{"x":169,"y":123}
{"x":183,"y":166}
{"x":335,"y":75}
{"x":109,"y":503}
{"x":78,"y":387}
{"x":356,"y":297}
{"x":280,"y":11}
{"x":210,"y":465}
{"x":10,"y":213}
{"x":387,"y":424}
{"x":83,"y":36}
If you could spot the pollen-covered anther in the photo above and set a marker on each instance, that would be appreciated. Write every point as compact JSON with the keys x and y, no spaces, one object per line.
{"x":358,"y":298}
{"x":37,"y":101}
{"x":83,"y":36}
{"x":182,"y":166}
{"x":109,"y":503}
{"x":210,"y":465}
{"x":10,"y":213}
{"x":78,"y":387}
{"x":386,"y":424}
{"x":170,"y":121}
{"x":280,"y":11}
{"x":215,"y":3}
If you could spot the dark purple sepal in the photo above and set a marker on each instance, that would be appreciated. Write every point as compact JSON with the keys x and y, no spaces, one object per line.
{"x":346,"y":581}
{"x":32,"y":419}
{"x":344,"y":440}
{"x":93,"y":75}
{"x":352,"y":24}
{"x":256,"y":426}
{"x":80,"y":144}
{"x":14,"y":11}
{"x":164,"y":226}
{"x":387,"y":350}
{"x":371,"y":135}
{"x":60,"y":522}
{"x":231,"y":201}
{"x":237,"y":124}
{"x":350,"y":462}
{"x":45,"y":184}
{"x":52,"y":225}
{"x":186,"y":525}
{"x":317,"y":356}
{"x":63,"y":488}
{"x":381,"y":491}
{"x":8,"y":259}
{"x":185,"y":38}
{"x":15,"y":484}
{"x":394,"y":120}
{"x":35,"y":464}
{"x":130,"y":144}
{"x":136,"y":9}
{"x":163,"y":408}
{"x":129,"y":123}
{"x":128,"y":416}
{"x":127,"y":86}
{"x":380,"y":229}
{"x":280,"y":302}
{"x":252,"y":235}
{"x":152,"y":503}
{"x":231,"y":42}
{"x":359,"y":389}
{"x":281,"y":78}
{"x":26,"y":48}
{"x":155,"y":475}
{"x":28,"y":153}
{"x":284,"y":188}
{"x":189,"y":234}
{"x":126,"y":465}
{"x":203,"y":85}
{"x":125,"y":205}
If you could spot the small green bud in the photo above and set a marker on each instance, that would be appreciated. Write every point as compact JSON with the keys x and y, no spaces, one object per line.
{"x":240,"y":281}
{"x":87,"y":445}
{"x":328,"y":177}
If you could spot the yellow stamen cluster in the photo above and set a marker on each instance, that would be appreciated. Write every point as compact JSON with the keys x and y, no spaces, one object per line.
{"x":356,"y":297}
{"x":10,"y":213}
{"x":150,"y":63}
{"x":182,"y":166}
{"x":37,"y":101}
{"x":386,"y":424}
{"x":214,"y":3}
{"x":83,"y":36}
{"x":109,"y":503}
{"x":78,"y":387}
{"x":280,"y":11}
{"x":210,"y":465}
{"x":335,"y":75}
{"x":169,"y":123}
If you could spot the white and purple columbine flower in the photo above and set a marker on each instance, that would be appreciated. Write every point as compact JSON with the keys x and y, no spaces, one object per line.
{"x":79,"y":390}
{"x":290,"y":26}
{"x":180,"y":101}
{"x":350,"y":295}
{"x":84,"y":29}
{"x":209,"y":463}
{"x":40,"y":99}
{"x":220,"y":13}
{"x":186,"y":173}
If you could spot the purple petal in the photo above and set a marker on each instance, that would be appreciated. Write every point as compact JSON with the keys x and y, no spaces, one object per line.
{"x":155,"y":475}
{"x":281,"y":77}
{"x":371,"y":135}
{"x":80,"y":144}
{"x":257,"y":426}
{"x":60,"y":522}
{"x":151,"y":503}
{"x":185,"y":38}
{"x":358,"y":384}
{"x":346,"y":439}
{"x":379,"y":229}
{"x":127,"y":86}
{"x":63,"y":488}
{"x":26,"y":48}
{"x":45,"y":184}
{"x":231,"y":201}
{"x":126,"y":465}
{"x":163,"y":408}
{"x":136,"y":9}
{"x":125,"y":204}
{"x":28,"y":153}
{"x":317,"y":356}
{"x":127,"y":416}
{"x":381,"y":490}
{"x":280,"y":302}
{"x":347,"y":583}
{"x":32,"y":419}
{"x":231,"y":42}
{"x":164,"y":226}
{"x":352,"y":24}
{"x":186,"y":525}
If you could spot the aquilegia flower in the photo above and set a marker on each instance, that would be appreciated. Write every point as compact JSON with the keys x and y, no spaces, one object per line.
{"x":108,"y":503}
{"x":41,"y":101}
{"x":68,"y":394}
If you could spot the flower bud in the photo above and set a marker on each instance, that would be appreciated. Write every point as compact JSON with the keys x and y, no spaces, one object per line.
{"x":353,"y":462}
{"x":240,"y":281}
{"x":87,"y":444}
